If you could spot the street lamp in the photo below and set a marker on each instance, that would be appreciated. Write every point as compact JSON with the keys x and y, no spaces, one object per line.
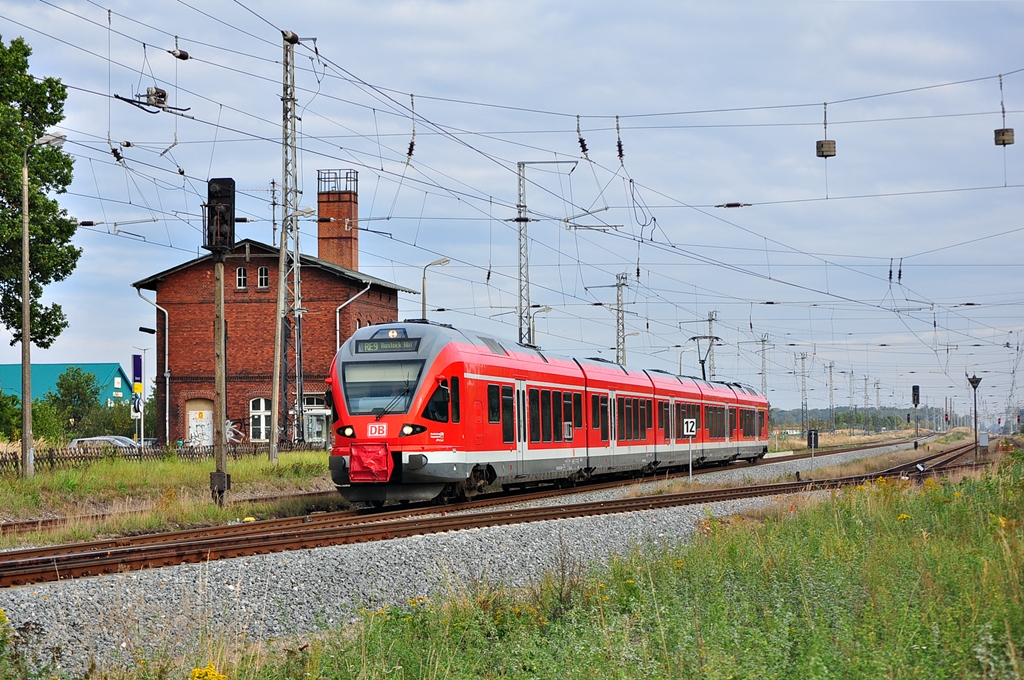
{"x":533,"y":323}
{"x":440,"y":262}
{"x":975,"y":381}
{"x":27,"y":443}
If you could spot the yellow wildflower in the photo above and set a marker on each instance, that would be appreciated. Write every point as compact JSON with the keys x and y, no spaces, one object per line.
{"x":208,"y":673}
{"x":903,"y":517}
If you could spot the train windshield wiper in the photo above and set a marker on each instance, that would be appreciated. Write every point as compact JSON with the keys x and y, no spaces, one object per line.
{"x":393,"y":402}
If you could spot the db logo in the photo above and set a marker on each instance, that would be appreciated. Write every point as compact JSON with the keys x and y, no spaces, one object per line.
{"x":377,"y":430}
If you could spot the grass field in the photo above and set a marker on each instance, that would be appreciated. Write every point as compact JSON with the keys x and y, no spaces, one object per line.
{"x":887,"y":580}
{"x":157,"y":495}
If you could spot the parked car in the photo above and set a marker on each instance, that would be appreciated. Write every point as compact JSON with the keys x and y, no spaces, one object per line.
{"x":107,"y":441}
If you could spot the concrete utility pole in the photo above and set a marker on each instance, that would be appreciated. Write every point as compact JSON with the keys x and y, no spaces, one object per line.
{"x":28,"y":449}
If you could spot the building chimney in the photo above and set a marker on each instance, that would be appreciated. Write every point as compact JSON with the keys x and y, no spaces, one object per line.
{"x":338,"y":214}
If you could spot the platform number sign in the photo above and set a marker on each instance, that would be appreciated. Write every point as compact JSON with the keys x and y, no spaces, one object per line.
{"x":689,"y":427}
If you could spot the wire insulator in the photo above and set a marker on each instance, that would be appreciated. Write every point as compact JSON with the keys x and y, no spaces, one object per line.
{"x":412,"y":145}
{"x":618,"y":142}
{"x":583,"y":143}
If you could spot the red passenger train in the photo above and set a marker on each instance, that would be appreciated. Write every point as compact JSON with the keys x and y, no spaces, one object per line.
{"x":426,"y":411}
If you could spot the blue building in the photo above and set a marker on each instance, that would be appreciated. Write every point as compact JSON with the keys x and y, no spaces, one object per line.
{"x":115,"y":385}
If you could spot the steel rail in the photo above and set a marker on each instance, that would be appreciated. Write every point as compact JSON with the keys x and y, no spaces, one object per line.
{"x":23,"y":567}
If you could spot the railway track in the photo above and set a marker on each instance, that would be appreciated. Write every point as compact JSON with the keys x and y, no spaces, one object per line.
{"x":49,"y":523}
{"x":54,"y":563}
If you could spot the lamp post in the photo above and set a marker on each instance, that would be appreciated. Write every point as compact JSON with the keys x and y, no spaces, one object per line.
{"x":533,"y":322}
{"x":975,"y":381}
{"x":27,"y":442}
{"x":440,"y":262}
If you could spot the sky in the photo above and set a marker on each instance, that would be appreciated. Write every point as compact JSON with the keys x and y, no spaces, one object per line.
{"x":895,"y":263}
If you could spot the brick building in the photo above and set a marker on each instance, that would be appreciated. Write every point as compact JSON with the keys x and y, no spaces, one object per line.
{"x":336,"y":297}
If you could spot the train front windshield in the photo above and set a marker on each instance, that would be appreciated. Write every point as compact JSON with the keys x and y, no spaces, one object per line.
{"x":379,"y":387}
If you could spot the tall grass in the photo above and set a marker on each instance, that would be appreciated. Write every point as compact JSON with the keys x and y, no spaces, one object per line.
{"x":887,"y":580}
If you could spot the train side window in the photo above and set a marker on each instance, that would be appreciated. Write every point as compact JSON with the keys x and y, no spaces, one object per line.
{"x":493,"y":404}
{"x":650,"y":414}
{"x":534,"y":415}
{"x":621,"y":419}
{"x":603,"y":418}
{"x":556,"y":415}
{"x":508,"y":425}
{"x":437,"y":405}
{"x":638,"y":418}
{"x":732,"y":422}
{"x":679,"y":420}
{"x":645,"y":416}
{"x":595,"y":412}
{"x":545,"y":415}
{"x":456,"y":410}
{"x":577,"y":410}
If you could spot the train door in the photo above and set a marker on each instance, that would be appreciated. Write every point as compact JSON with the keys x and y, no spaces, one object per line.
{"x":521,"y":431}
{"x":613,"y":425}
{"x":670,"y":424}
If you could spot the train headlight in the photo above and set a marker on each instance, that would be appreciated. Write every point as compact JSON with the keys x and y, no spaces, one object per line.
{"x":347,"y":431}
{"x":409,"y":429}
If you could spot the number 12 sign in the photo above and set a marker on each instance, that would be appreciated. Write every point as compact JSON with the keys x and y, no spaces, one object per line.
{"x":689,"y":427}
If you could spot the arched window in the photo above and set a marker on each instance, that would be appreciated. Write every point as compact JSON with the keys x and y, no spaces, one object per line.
{"x":263,"y":277}
{"x":241,"y":278}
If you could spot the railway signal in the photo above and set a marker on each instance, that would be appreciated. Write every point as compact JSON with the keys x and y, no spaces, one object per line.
{"x":220,"y":215}
{"x":219,"y":239}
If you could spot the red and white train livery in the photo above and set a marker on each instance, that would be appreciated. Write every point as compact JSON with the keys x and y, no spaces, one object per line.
{"x":426,"y":411}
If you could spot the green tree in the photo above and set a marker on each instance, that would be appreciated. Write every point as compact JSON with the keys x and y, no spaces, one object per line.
{"x":48,"y":423}
{"x":149,"y":414}
{"x":10,"y":416}
{"x":28,"y":106}
{"x":113,"y":419}
{"x":78,"y":393}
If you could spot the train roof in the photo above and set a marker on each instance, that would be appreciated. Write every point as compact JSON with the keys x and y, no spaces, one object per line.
{"x":434,"y":336}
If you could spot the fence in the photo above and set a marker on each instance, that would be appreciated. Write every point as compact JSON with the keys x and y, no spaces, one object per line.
{"x":63,"y":458}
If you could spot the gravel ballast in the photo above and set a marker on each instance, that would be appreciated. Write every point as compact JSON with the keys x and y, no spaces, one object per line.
{"x":176,"y":610}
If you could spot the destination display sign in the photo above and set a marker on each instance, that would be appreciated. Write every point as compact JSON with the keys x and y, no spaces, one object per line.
{"x":379,"y":346}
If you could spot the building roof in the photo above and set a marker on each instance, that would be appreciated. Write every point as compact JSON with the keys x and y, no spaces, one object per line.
{"x":151,"y":282}
{"x":44,"y":379}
